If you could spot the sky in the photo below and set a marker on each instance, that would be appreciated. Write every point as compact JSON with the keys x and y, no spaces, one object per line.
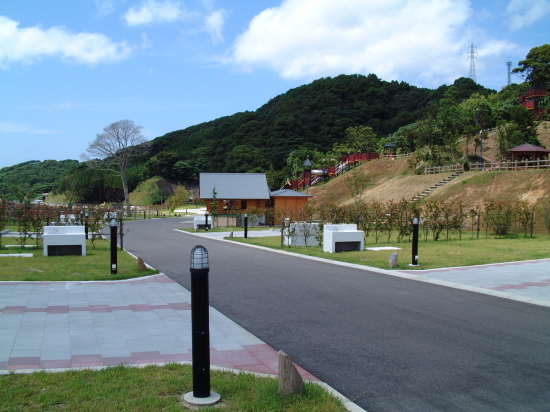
{"x":70,"y":68}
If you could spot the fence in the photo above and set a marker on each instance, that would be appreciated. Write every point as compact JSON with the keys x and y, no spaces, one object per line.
{"x":515,"y":165}
{"x":491,"y":166}
{"x":396,"y":156}
{"x":444,"y":169}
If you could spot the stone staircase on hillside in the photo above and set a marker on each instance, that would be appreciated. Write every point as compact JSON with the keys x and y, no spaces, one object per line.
{"x":436,"y":186}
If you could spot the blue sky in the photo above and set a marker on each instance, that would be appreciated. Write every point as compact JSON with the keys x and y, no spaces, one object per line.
{"x":69,"y":68}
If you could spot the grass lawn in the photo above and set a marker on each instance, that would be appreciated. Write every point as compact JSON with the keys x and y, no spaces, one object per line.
{"x":96,"y":265}
{"x":432,"y":254}
{"x":152,"y":388}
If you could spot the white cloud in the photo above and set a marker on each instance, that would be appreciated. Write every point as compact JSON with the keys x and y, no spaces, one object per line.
{"x":152,"y":12}
{"x":145,"y":41}
{"x":523,"y":13}
{"x":9,"y":127}
{"x":104,"y":7}
{"x":214,"y":24}
{"x":30,"y":44}
{"x":424,"y":40}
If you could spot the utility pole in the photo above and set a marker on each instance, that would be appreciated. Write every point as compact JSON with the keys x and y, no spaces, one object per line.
{"x":472,"y":52}
{"x":509,"y":65}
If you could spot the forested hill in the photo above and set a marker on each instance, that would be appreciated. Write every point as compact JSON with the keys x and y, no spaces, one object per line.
{"x":32,"y":177}
{"x":314,"y":116}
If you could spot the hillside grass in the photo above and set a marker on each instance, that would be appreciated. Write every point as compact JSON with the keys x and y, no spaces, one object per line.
{"x":432,"y":254}
{"x":153,"y":388}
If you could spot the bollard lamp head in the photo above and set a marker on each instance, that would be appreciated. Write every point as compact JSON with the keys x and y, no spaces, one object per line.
{"x":199,"y":257}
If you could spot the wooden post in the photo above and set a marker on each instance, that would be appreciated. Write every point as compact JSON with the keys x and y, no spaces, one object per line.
{"x":290,"y":381}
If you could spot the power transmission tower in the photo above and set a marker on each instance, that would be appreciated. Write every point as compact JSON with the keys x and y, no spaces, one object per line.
{"x":509,"y":64}
{"x":472,"y":52}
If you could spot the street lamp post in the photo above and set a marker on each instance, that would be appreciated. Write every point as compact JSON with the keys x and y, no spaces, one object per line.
{"x":481,"y":150}
{"x":113,"y":246}
{"x":307,"y":173}
{"x":201,"y":394}
{"x":415,"y":233}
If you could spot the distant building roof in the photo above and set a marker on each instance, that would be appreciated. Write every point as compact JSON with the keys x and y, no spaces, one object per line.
{"x":288,"y":193}
{"x":233,"y":186}
{"x":527,"y":147}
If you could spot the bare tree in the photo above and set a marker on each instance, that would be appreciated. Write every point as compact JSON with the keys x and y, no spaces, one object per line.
{"x":119,"y":142}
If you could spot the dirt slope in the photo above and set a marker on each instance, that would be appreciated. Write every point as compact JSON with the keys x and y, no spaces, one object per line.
{"x":530,"y":186}
{"x":388,"y":180}
{"x":393,"y":180}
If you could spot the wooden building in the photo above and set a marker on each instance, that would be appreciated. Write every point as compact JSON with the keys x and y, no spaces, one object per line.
{"x":234,"y":191}
{"x":289,"y":201}
{"x":528,"y":151}
{"x":242,"y":191}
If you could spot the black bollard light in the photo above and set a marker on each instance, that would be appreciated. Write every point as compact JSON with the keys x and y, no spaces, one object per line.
{"x":113,"y":246}
{"x":415,"y":242}
{"x":86,"y":224}
{"x":206,"y":221}
{"x":246,"y":226}
{"x":201,"y":394}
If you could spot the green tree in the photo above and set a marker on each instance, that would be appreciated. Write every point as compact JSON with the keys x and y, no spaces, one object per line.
{"x":184,"y":170}
{"x":161,"y":164}
{"x":535,"y":69}
{"x":181,"y":196}
{"x":521,"y":128}
{"x":246,"y":159}
{"x":361,"y":139}
{"x":3,"y":217}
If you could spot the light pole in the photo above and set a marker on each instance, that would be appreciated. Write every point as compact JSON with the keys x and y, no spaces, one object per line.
{"x":201,"y":394}
{"x":307,"y":173}
{"x":113,"y":246}
{"x":415,"y":242}
{"x":481,"y":150}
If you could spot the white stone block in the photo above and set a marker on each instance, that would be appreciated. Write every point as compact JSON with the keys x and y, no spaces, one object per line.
{"x":343,"y":233}
{"x":64,"y":236}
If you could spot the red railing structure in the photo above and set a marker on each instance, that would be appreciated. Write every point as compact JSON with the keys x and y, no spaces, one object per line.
{"x":316,"y":176}
{"x":533,"y":98}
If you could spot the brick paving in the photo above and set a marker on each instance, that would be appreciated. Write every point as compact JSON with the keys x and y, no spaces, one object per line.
{"x":58,"y":325}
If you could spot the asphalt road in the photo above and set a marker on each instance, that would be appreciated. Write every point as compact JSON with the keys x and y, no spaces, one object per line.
{"x":386,"y":343}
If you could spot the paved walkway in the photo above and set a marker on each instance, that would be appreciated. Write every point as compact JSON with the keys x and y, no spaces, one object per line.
{"x":56,"y":325}
{"x":527,"y":281}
